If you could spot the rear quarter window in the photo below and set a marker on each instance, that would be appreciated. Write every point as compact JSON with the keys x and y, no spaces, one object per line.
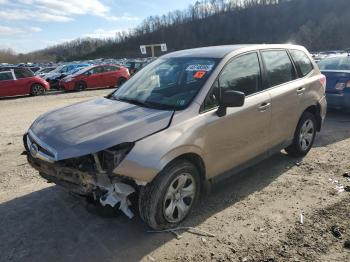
{"x":302,"y":61}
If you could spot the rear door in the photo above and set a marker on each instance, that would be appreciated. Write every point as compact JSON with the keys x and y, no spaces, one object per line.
{"x":7,"y":84}
{"x":23,"y":81}
{"x":243,"y":133}
{"x":286,"y":91}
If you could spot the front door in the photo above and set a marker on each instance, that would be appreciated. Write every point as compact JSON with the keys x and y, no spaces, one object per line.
{"x":243,"y":133}
{"x":95,"y":79}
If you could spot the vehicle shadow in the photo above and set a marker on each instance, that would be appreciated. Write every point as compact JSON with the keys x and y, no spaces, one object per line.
{"x":336,"y":128}
{"x":51,"y":225}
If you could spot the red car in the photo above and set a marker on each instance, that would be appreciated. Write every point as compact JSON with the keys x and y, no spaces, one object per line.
{"x":99,"y":76}
{"x":21,"y":81}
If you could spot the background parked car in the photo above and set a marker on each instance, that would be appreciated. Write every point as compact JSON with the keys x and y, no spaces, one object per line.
{"x":21,"y":81}
{"x":337,"y":71}
{"x":41,"y":72}
{"x":134,"y":66}
{"x":60,"y":72}
{"x":96,"y":77}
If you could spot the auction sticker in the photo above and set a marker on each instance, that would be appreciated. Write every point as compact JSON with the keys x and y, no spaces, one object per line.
{"x":199,"y":67}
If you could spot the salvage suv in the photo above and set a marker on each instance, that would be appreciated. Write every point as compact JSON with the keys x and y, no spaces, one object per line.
{"x":182,"y":122}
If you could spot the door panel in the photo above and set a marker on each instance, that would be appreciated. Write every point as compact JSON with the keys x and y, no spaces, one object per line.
{"x":243,"y":133}
{"x":239,"y":136}
{"x":285,"y":111}
{"x":6,"y":88}
{"x":94,"y":80}
{"x":22,"y":86}
{"x":285,"y":97}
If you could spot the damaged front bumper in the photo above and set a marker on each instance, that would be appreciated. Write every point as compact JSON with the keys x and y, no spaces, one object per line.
{"x":84,"y":176}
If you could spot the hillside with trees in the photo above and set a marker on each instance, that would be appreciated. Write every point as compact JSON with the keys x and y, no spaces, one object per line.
{"x":316,"y":24}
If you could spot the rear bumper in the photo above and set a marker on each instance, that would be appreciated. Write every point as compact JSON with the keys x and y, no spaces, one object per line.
{"x":338,"y":100}
{"x":323,"y":109}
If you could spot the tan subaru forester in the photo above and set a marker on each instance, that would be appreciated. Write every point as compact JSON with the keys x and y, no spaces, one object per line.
{"x":184,"y":120}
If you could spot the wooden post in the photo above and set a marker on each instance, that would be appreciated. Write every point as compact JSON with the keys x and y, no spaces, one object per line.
{"x":152,"y":50}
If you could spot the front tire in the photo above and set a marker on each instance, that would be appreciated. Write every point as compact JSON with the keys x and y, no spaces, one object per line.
{"x":37,"y":90}
{"x":169,"y":198}
{"x":304,"y":136}
{"x":80,"y":86}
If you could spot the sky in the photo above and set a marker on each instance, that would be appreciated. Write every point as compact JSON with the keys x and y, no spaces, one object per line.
{"x":28,"y":25}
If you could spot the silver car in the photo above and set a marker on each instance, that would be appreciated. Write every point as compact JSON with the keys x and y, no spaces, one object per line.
{"x":182,"y":122}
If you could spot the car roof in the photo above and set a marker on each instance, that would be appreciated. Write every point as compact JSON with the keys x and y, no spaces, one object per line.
{"x":337,"y":56}
{"x":223,"y":50}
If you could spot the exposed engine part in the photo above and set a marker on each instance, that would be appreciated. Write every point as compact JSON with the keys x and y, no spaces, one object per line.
{"x":98,"y":164}
{"x":118,"y":193}
{"x":85,"y":176}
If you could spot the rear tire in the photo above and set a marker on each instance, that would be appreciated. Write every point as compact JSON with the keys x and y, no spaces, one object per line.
{"x":169,"y":198}
{"x":304,"y":136}
{"x":37,"y":90}
{"x":121,"y":81}
{"x":80,"y":86}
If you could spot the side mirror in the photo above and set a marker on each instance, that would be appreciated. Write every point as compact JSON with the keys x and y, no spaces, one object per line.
{"x":230,"y":98}
{"x":88,"y":73}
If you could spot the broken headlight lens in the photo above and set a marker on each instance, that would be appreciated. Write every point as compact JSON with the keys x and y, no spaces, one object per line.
{"x":113,"y":156}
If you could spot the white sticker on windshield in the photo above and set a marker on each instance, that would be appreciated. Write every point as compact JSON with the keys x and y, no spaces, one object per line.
{"x":199,"y":67}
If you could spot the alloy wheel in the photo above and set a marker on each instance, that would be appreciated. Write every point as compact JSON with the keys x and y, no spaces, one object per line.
{"x":37,"y":90}
{"x":306,"y":135}
{"x":179,"y":198}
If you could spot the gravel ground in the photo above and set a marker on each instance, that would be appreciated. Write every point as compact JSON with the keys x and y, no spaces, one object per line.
{"x":254,"y":215}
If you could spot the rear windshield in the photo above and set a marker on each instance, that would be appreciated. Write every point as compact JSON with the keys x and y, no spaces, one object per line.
{"x":335,"y":63}
{"x":167,"y":83}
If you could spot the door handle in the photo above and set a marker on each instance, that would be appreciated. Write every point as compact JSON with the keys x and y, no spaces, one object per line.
{"x":300,"y":90}
{"x":264,"y":106}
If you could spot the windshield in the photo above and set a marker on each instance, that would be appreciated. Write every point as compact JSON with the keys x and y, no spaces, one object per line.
{"x":58,"y":69}
{"x":335,"y":63}
{"x":167,"y":83}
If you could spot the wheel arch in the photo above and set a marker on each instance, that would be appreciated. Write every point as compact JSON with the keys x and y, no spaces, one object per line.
{"x":197,"y":161}
{"x":80,"y":81}
{"x":33,"y":84}
{"x":316,"y":111}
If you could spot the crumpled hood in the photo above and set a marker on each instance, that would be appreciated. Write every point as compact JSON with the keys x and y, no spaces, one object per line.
{"x":95,"y":125}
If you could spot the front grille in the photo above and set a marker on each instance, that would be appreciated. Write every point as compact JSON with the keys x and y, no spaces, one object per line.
{"x":43,"y":152}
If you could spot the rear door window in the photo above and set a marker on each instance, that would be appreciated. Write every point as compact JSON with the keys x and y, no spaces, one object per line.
{"x":111,"y":68}
{"x":6,"y":76}
{"x":302,"y":61}
{"x":279,"y":67}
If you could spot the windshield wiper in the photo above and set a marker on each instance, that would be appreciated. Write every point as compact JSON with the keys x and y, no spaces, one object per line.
{"x":134,"y":101}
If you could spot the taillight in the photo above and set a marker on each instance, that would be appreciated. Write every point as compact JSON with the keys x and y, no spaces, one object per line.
{"x":340,"y":86}
{"x":323,"y":81}
{"x":348,"y":84}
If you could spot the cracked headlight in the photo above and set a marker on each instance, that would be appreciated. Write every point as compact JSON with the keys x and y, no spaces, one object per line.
{"x":113,"y":156}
